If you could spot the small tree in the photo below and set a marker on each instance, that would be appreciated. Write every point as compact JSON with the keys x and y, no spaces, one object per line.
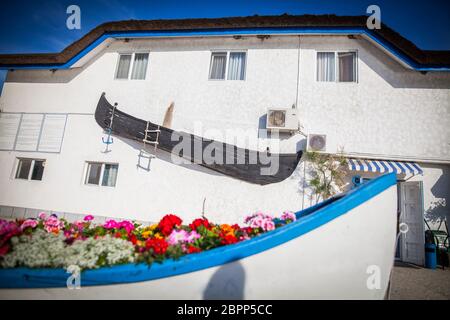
{"x":327,"y":173}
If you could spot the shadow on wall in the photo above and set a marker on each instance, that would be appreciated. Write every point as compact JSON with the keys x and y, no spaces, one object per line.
{"x":227,"y":282}
{"x":438,"y":210}
{"x":399,"y":76}
{"x":48,"y":76}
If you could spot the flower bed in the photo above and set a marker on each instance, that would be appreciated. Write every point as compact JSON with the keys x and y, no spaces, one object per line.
{"x":52,"y":242}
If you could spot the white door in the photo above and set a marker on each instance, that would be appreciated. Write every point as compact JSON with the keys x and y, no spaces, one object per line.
{"x":413,"y":241}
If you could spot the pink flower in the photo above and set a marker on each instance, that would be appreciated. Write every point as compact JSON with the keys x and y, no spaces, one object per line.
{"x":127,"y":225}
{"x":193,"y":235}
{"x":29,"y":223}
{"x":89,"y":217}
{"x":268,"y":225}
{"x":260,"y":220}
{"x":111,"y":224}
{"x":42,"y":215}
{"x":53,"y":224}
{"x":288,"y":215}
{"x":177,"y":236}
{"x":7,"y":227}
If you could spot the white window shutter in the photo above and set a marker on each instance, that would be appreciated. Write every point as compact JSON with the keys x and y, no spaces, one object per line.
{"x":9,"y":124}
{"x":30,"y":128}
{"x":52,"y":133}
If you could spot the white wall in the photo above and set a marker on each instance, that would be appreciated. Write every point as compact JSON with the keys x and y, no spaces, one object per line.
{"x":436,"y":193}
{"x":391,"y":111}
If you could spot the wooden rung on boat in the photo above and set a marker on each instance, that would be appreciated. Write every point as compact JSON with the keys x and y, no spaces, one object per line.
{"x":150,"y":142}
{"x":146,"y":138}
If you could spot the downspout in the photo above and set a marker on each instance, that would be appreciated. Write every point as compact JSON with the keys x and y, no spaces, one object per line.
{"x":297,"y":98}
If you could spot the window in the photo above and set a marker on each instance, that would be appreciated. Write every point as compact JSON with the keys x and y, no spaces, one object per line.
{"x":123,"y":66}
{"x":218,"y":66}
{"x":347,"y":66}
{"x":336,"y":66}
{"x":30,"y":169}
{"x":138,"y":67}
{"x":104,"y":174}
{"x":234,"y":70}
{"x":236,"y":66}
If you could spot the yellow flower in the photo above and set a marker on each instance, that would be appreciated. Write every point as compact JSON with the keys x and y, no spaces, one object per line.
{"x":227,"y":229}
{"x":158,"y":236}
{"x":146,"y":234}
{"x":140,"y":243}
{"x":153,"y":227}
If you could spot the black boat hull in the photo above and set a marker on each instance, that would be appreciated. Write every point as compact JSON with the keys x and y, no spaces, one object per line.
{"x":248,"y":165}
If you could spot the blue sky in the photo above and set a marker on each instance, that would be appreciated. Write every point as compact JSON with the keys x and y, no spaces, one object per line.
{"x":40,"y":26}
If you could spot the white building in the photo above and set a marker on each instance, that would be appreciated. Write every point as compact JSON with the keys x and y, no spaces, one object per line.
{"x":371,"y":92}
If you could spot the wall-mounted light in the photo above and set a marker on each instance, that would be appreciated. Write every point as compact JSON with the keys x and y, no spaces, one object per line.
{"x":263,"y":37}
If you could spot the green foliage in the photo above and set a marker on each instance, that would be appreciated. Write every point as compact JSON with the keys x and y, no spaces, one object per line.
{"x":327,"y":174}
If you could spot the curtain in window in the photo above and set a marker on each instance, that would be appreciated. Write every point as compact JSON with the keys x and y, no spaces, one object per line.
{"x":123,"y":66}
{"x":326,"y":68}
{"x":139,"y":66}
{"x":110,"y":175}
{"x":236,"y":66}
{"x":218,"y":64}
{"x":347,"y":70}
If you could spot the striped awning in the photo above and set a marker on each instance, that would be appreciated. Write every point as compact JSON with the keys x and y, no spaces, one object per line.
{"x":384,"y":166}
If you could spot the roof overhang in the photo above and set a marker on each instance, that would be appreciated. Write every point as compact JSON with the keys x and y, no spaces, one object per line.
{"x":97,"y":45}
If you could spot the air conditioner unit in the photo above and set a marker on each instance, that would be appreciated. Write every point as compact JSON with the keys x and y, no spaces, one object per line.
{"x":317,"y":142}
{"x":282,"y":119}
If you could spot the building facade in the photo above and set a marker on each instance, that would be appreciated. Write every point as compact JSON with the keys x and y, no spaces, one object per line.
{"x":372,"y":100}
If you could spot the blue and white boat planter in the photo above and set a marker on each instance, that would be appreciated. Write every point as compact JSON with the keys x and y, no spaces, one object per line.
{"x":342,"y":248}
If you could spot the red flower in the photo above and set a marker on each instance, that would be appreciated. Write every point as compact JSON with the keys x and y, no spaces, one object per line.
{"x":199,"y":222}
{"x":4,"y":249}
{"x":193,"y":249}
{"x":133,"y":239}
{"x":228,"y":239}
{"x":167,"y":223}
{"x":159,"y":246}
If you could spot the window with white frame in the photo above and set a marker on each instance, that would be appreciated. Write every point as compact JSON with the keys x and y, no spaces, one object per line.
{"x":337,"y":66}
{"x":233,"y":70}
{"x":30,"y":169}
{"x":132,"y":66}
{"x":101,"y":174}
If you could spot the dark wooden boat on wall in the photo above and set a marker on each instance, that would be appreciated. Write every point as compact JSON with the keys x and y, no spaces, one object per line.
{"x":248,"y":165}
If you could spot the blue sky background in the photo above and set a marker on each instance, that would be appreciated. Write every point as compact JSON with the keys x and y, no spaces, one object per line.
{"x":29,"y":26}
